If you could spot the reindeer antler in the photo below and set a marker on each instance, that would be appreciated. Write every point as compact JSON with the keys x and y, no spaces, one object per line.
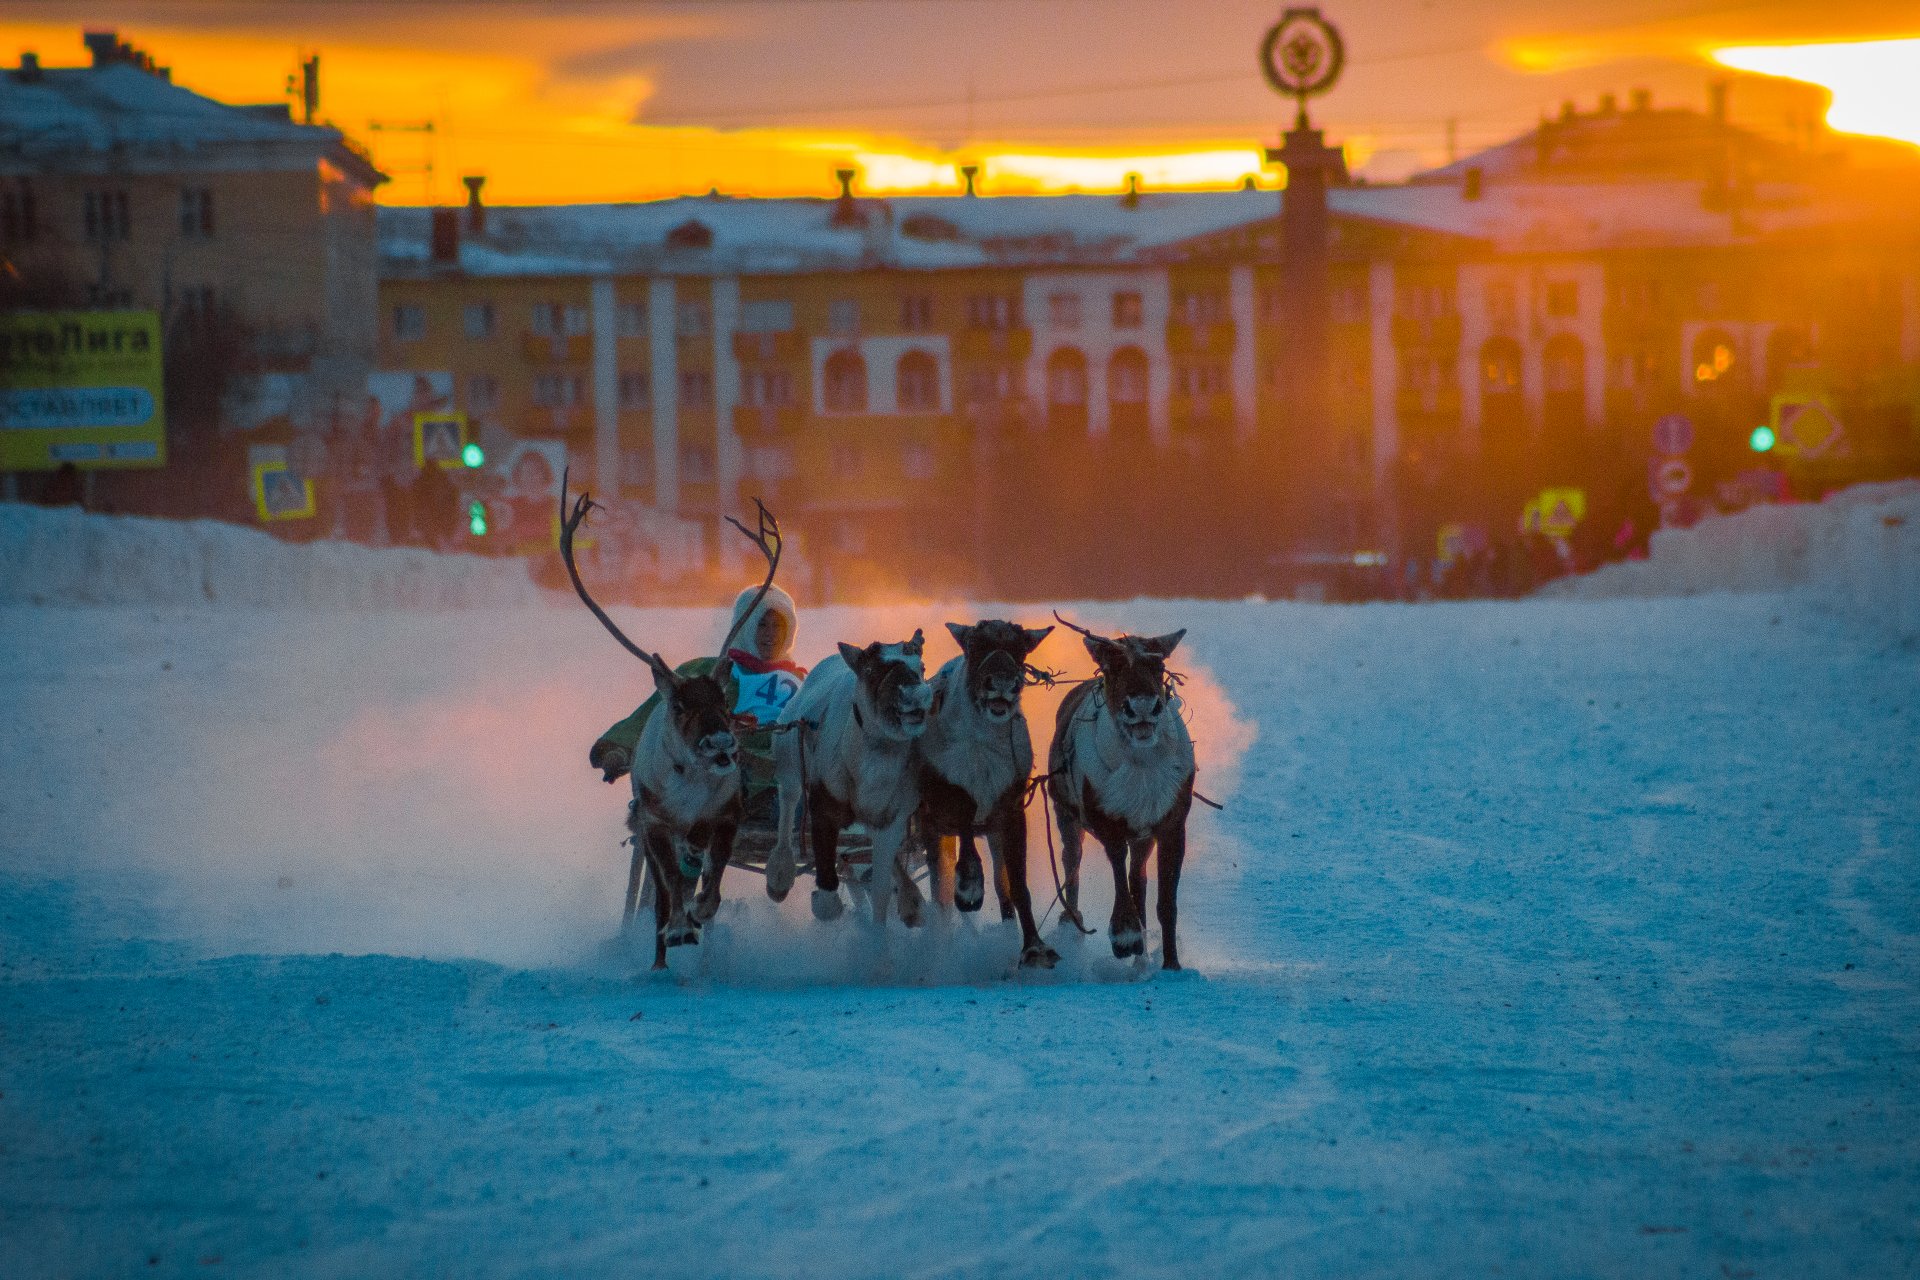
{"x":568,"y":523}
{"x":767,"y":538}
{"x":1073,"y":627}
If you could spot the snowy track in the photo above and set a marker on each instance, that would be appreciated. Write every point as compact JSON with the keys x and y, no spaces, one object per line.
{"x":1569,"y":939}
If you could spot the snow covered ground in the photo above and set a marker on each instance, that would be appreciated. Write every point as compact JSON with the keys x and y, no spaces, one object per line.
{"x":1568,"y":938}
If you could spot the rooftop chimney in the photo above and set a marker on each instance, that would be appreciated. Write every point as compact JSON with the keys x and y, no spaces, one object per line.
{"x":1132,"y":198}
{"x":476,"y":212}
{"x":1567,"y":112}
{"x":1608,"y":104}
{"x":845,"y":214}
{"x":970,"y":172}
{"x":1471,"y":182}
{"x":29,"y":72}
{"x":108,"y":49}
{"x":1642,"y":99}
{"x":446,"y":235}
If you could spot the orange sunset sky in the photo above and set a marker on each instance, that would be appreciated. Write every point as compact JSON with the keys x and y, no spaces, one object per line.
{"x":616,"y":99}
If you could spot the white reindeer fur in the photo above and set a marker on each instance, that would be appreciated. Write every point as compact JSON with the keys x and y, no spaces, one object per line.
{"x":856,"y":760}
{"x":980,"y":756}
{"x":685,"y":788}
{"x":1136,"y":782}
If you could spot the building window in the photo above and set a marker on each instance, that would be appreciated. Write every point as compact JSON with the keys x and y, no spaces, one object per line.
{"x":478,"y":319}
{"x":630,"y":320}
{"x":992,"y":311}
{"x":196,"y":304}
{"x":107,"y":216}
{"x":1200,"y":379}
{"x":409,"y":322}
{"x":483,"y":393}
{"x":196,"y":211}
{"x":1426,"y":301}
{"x":19,"y":220}
{"x":766,"y":388}
{"x":1203,"y":307}
{"x":992,"y":384}
{"x":843,"y":315}
{"x":1714,"y":359}
{"x":1563,"y":297}
{"x":1066,"y":378}
{"x":767,"y":315}
{"x":1063,"y":310}
{"x":693,"y":319}
{"x":1128,"y":311}
{"x":846,"y":461}
{"x":916,"y":313}
{"x":558,"y":390}
{"x":559,"y":320}
{"x":1500,"y":367}
{"x":636,"y":468}
{"x":845,"y":389}
{"x":696,"y":389}
{"x":636,"y":392}
{"x":696,"y":464}
{"x":917,"y":383}
{"x":1127,"y":377}
{"x":917,"y":461}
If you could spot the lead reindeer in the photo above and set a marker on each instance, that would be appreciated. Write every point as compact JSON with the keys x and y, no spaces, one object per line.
{"x":851,"y":759}
{"x":975,"y":760}
{"x":686,"y":766}
{"x":1121,"y":766}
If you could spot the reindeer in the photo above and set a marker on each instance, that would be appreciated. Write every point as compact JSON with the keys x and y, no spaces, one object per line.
{"x":1121,"y":766}
{"x":975,"y":760}
{"x":687,"y":803}
{"x":851,"y":759}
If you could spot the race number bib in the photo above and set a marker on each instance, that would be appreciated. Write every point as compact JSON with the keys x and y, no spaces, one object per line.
{"x":763,"y":695}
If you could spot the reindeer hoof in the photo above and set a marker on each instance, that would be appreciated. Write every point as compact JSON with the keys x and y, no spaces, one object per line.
{"x":683,"y":935}
{"x":704,"y":910}
{"x":780,"y":874}
{"x":827,"y":904}
{"x":1127,"y":942}
{"x":969,"y":885}
{"x":1038,"y":955}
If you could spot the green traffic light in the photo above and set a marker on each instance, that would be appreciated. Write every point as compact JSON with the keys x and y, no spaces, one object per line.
{"x":477,"y":518}
{"x":1762,"y":438}
{"x":473,"y":455}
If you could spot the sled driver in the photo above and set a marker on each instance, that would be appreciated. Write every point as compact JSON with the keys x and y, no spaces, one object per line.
{"x":758,"y":679}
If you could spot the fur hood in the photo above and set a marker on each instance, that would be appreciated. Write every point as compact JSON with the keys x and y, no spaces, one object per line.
{"x":777,"y":601}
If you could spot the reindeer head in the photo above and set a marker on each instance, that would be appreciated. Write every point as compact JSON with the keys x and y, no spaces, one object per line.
{"x":996,"y":654}
{"x":698,"y":712}
{"x":891,"y":697}
{"x":1133,"y":680}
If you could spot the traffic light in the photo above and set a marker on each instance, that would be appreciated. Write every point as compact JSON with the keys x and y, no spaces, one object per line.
{"x":477,"y":518}
{"x":473,"y":455}
{"x":1762,"y":439}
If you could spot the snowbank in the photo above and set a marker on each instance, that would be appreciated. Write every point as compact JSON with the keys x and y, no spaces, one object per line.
{"x":1858,"y":552}
{"x":66,"y":556}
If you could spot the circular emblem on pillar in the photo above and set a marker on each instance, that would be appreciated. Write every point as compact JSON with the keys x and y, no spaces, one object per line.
{"x":1302,"y":54}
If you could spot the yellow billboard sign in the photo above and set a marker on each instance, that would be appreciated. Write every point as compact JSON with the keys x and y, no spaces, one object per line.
{"x":81,"y":387}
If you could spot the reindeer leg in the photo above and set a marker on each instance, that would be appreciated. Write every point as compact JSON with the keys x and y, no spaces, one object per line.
{"x":780,"y":863}
{"x":1173,"y":852}
{"x":1137,"y":877}
{"x":941,"y":886}
{"x":1069,"y":860}
{"x":665,"y":889}
{"x":889,"y":842}
{"x":969,"y":882}
{"x":825,"y":823}
{"x":719,"y":853}
{"x":1007,"y":837}
{"x":1002,"y":888}
{"x":1124,"y":924}
{"x":911,"y":903}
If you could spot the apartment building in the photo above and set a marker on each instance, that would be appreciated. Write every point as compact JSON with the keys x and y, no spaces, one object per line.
{"x":1042,"y":394}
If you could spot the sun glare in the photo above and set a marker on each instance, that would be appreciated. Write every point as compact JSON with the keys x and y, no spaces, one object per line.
{"x":1875,"y":83}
